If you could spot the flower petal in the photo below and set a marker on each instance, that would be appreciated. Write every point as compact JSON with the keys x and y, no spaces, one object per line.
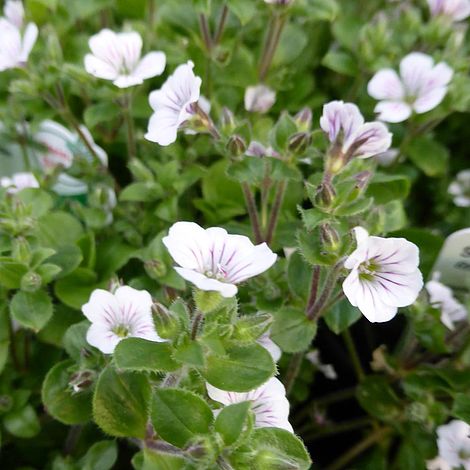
{"x":205,"y":283}
{"x":372,"y":138}
{"x":414,"y":70}
{"x":151,"y":65}
{"x":429,"y":100}
{"x":30,"y":36}
{"x":102,"y":338}
{"x":386,"y":85}
{"x":393,"y":111}
{"x":102,"y":308}
{"x":100,"y":68}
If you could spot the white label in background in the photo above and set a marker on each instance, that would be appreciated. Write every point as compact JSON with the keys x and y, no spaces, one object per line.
{"x":453,"y":262}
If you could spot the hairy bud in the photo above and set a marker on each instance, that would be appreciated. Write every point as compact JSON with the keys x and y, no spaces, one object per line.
{"x":31,"y":282}
{"x":325,"y":195}
{"x":166,"y":324}
{"x":329,"y":237}
{"x":299,"y":142}
{"x":236,"y":145}
{"x":303,"y":119}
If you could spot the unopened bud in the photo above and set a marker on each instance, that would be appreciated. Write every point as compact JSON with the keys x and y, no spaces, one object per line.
{"x":236,"y":145}
{"x":200,"y":449}
{"x":21,"y":250}
{"x":166,"y":324}
{"x":114,"y":284}
{"x":155,"y":268}
{"x":250,"y":327}
{"x":325,"y":195}
{"x":329,"y":237}
{"x":227,"y":120}
{"x":82,"y":380}
{"x":139,"y":171}
{"x":303,"y":119}
{"x":31,"y":282}
{"x":299,"y":142}
{"x":362,"y":179}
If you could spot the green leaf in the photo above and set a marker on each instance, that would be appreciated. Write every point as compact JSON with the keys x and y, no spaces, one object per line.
{"x":101,"y":113}
{"x":323,"y":10}
{"x":60,"y":401}
{"x":112,"y":256}
{"x":428,"y":155}
{"x":231,"y":421}
{"x":149,"y":460}
{"x":340,"y":62}
{"x":283,"y":448}
{"x":292,"y":330}
{"x":51,"y":231}
{"x":240,"y":369}
{"x":31,"y":309}
{"x":11,"y":273}
{"x":178,"y":415}
{"x":283,"y":129}
{"x":341,"y":316}
{"x":394,"y":216}
{"x":68,"y":257}
{"x":121,"y":402}
{"x":385,"y":188}
{"x":312,"y":217}
{"x":376,"y":396}
{"x":190,"y":353}
{"x":23,"y":423}
{"x":100,"y":456}
{"x":147,"y":191}
{"x":75,"y":343}
{"x":461,"y":407}
{"x":244,"y":10}
{"x":40,"y":201}
{"x":142,"y":355}
{"x":299,"y":275}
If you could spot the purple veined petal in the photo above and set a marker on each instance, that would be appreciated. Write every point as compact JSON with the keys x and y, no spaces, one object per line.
{"x":351,"y":119}
{"x":130,"y":45}
{"x":151,"y":65}
{"x":102,"y":308}
{"x":462,"y":10}
{"x":162,"y":128}
{"x":372,"y":138}
{"x":393,"y":254}
{"x":29,"y":39}
{"x":100,"y":68}
{"x":106,"y":46}
{"x":427,"y":101}
{"x":102,"y":338}
{"x":398,"y":289}
{"x":393,"y":111}
{"x":267,"y":343}
{"x":339,"y":116}
{"x":188,"y":245}
{"x":206,"y":283}
{"x":386,"y":85}
{"x":414,"y":70}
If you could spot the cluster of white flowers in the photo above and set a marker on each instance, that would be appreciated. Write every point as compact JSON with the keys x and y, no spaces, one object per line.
{"x":420,"y":87}
{"x":460,"y":189}
{"x":16,"y":40}
{"x":384,"y":275}
{"x":347,"y":130}
{"x":453,"y":442}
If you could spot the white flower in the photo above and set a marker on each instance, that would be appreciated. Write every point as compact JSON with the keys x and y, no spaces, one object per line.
{"x":268,"y":403}
{"x":213,"y":260}
{"x":457,"y":10}
{"x":117,"y":57}
{"x":124,"y":314}
{"x":259,"y":98}
{"x":442,"y":298}
{"x":460,"y":189}
{"x":15,"y":43}
{"x":14,"y":12}
{"x":257,"y":149}
{"x":267,"y":343}
{"x":453,"y":442}
{"x":384,"y":275}
{"x":420,"y":87}
{"x":437,"y":464}
{"x":388,"y":158}
{"x":173,"y":104}
{"x":345,"y":126}
{"x":18,"y":182}
{"x":326,"y":369}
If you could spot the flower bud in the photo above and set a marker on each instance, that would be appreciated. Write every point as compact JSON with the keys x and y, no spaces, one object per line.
{"x":303,"y":119}
{"x":31,"y":282}
{"x":236,"y":145}
{"x":250,"y":327}
{"x":201,"y":449}
{"x":299,"y":142}
{"x":329,"y":237}
{"x":325,"y":195}
{"x":155,"y":268}
{"x":102,"y":197}
{"x":207,"y":301}
{"x":166,"y":324}
{"x":139,"y":171}
{"x":82,"y":380}
{"x":114,"y":284}
{"x":227,"y":121}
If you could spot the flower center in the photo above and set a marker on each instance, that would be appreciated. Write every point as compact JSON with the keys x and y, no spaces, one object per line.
{"x":367,"y":270}
{"x":121,"y":330}
{"x":220,"y":274}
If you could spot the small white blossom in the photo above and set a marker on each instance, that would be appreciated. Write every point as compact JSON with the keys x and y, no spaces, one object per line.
{"x":16,"y":42}
{"x":384,"y":275}
{"x":442,"y":298}
{"x":456,"y":10}
{"x":124,"y":314}
{"x":420,"y":87}
{"x":460,"y":189}
{"x":213,"y":260}
{"x":453,"y":442}
{"x":257,"y":149}
{"x":345,"y":126}
{"x":117,"y":57}
{"x":268,"y":403}
{"x":18,"y":182}
{"x":326,"y":369}
{"x":259,"y":99}
{"x":388,"y":158}
{"x":267,"y":343}
{"x":174,"y":104}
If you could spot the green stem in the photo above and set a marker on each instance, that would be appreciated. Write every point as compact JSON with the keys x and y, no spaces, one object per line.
{"x":272,"y":41}
{"x":335,"y":429}
{"x":357,"y":449}
{"x":356,"y":362}
{"x":293,"y":371}
{"x":221,"y":25}
{"x":131,"y":142}
{"x":252,"y":211}
{"x":278,"y":199}
{"x":313,"y":288}
{"x":198,"y":317}
{"x":205,"y":32}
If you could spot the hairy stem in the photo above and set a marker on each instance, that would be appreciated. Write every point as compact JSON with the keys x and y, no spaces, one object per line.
{"x":252,"y":211}
{"x":205,"y":32}
{"x":293,"y":371}
{"x":279,"y":198}
{"x":221,"y":26}
{"x":198,"y":317}
{"x":272,"y":41}
{"x":313,"y":288}
{"x":356,"y":361}
{"x":131,"y":142}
